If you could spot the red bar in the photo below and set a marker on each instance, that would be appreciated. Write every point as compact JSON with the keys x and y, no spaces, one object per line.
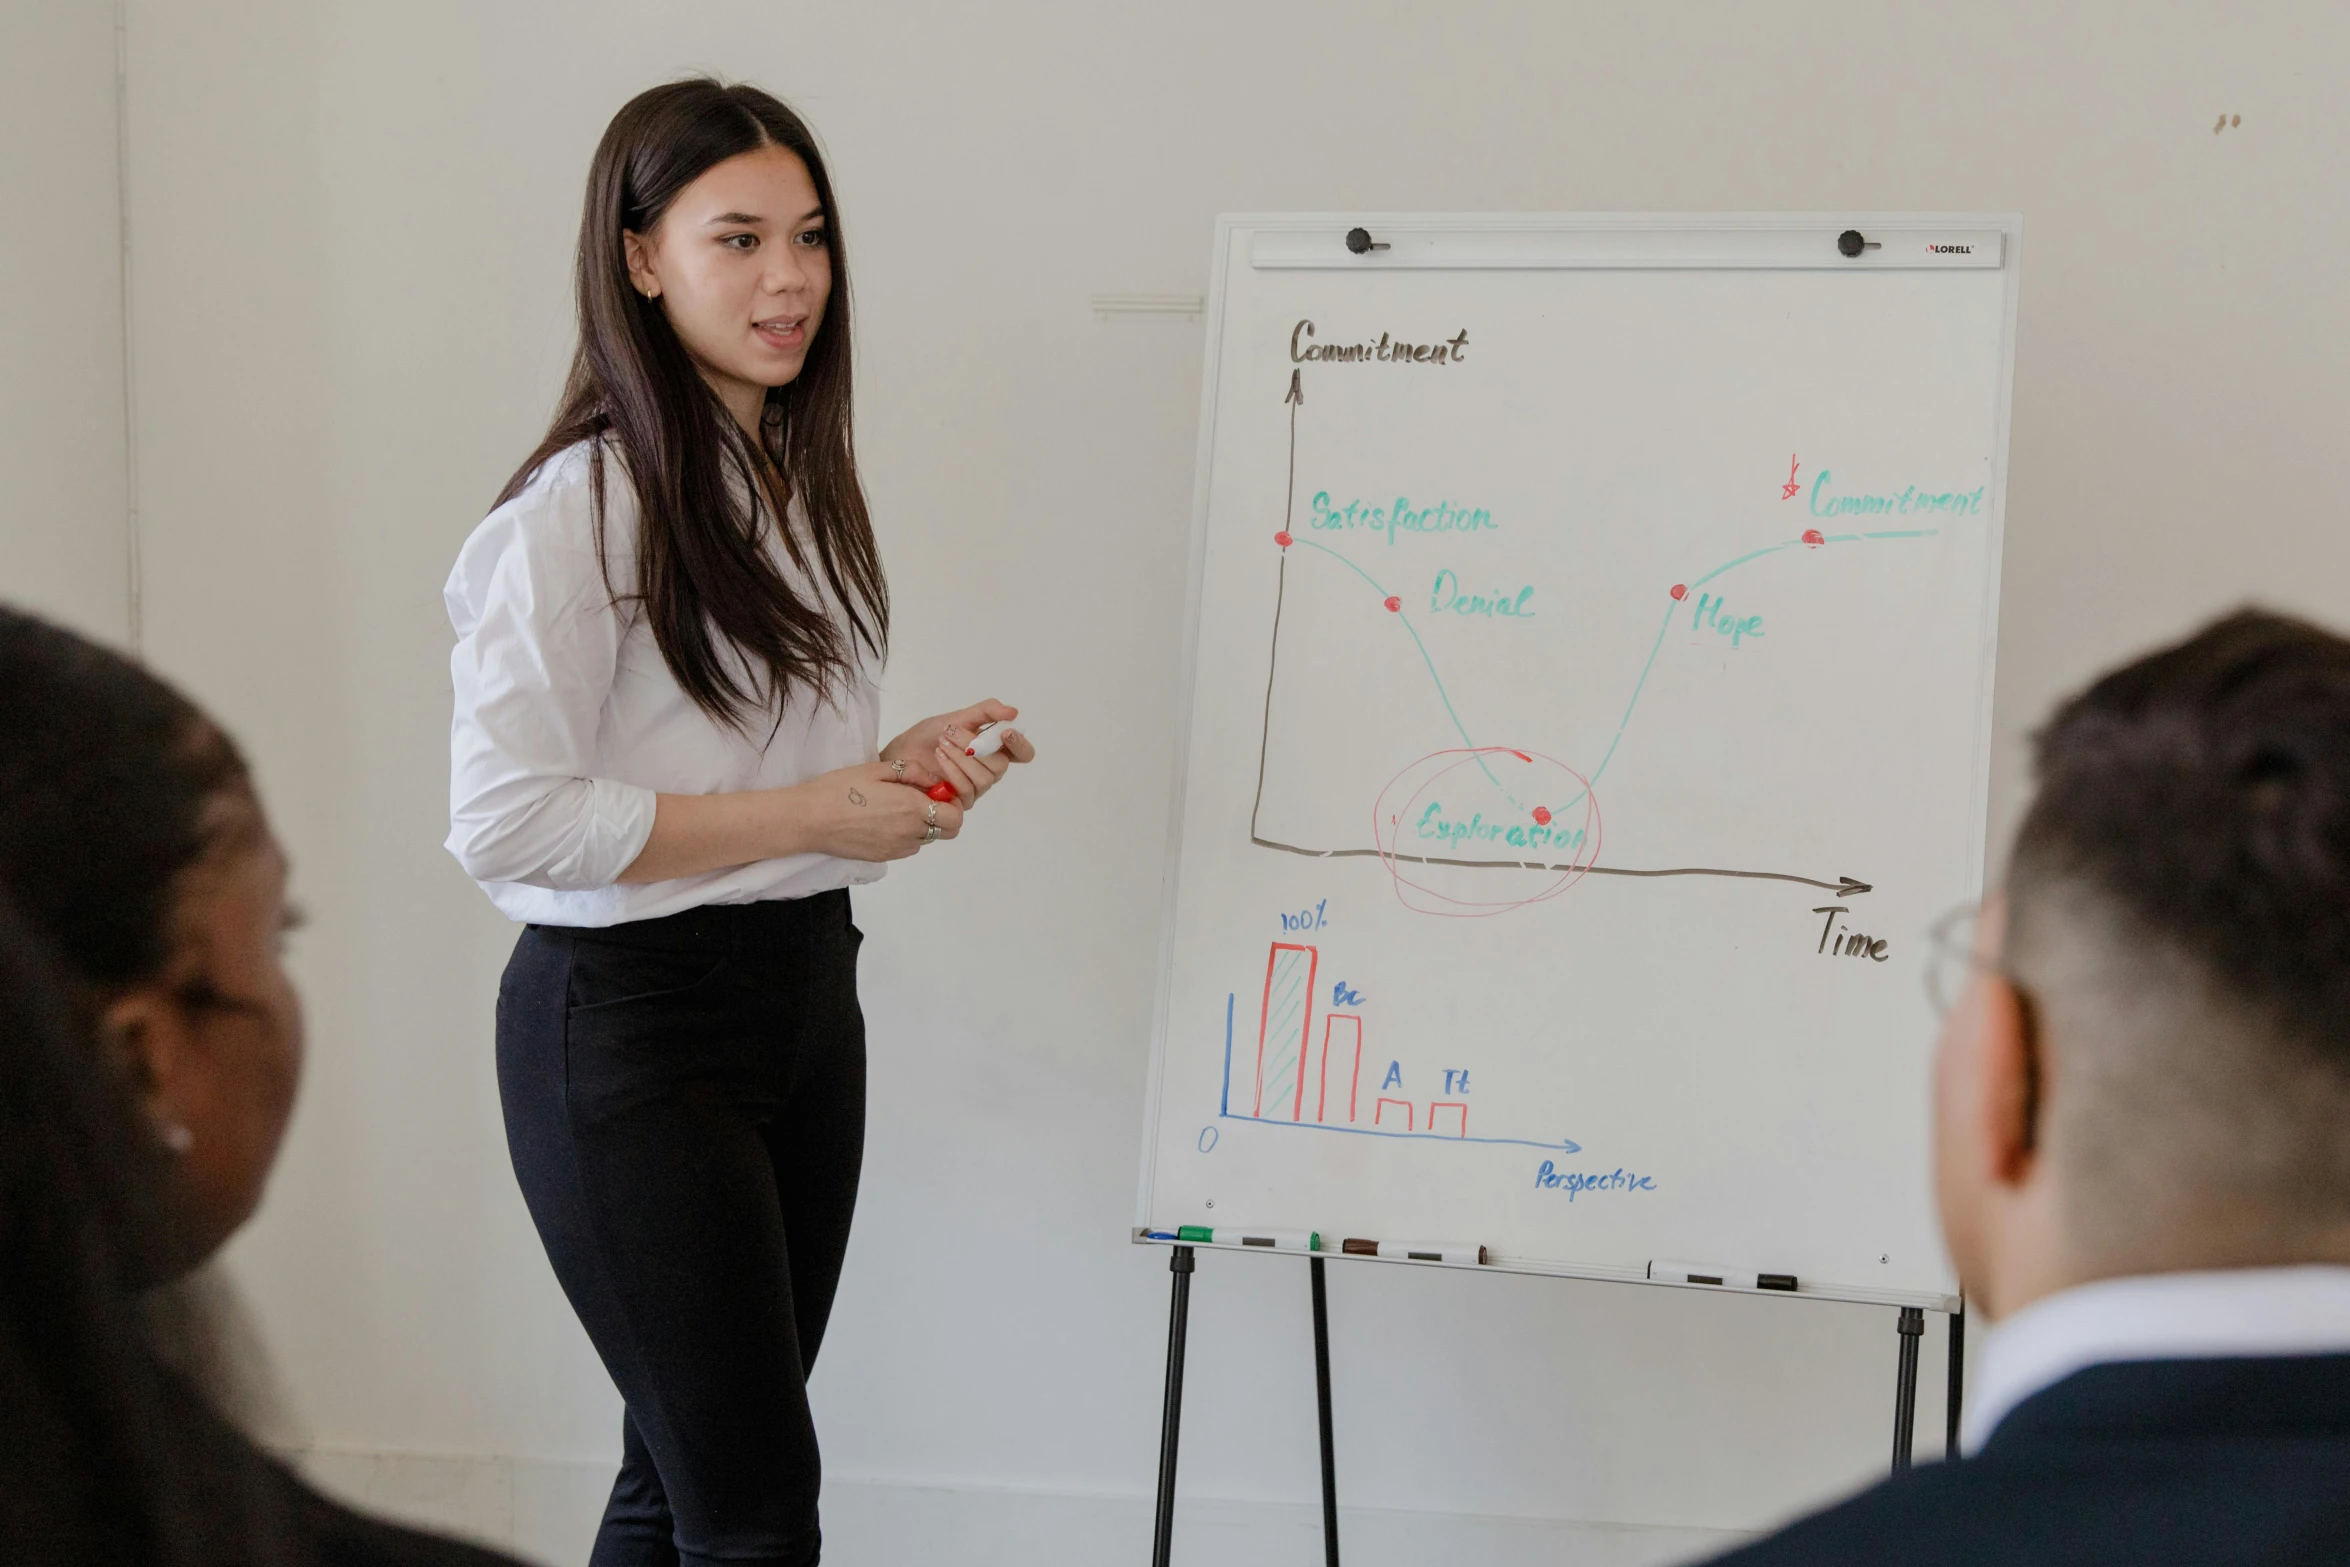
{"x":1353,"y":1069}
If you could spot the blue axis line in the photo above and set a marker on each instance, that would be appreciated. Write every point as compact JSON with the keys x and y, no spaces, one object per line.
{"x":1224,"y":1112}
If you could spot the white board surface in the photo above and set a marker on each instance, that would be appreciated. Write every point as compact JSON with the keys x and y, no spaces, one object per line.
{"x":1585,"y":610}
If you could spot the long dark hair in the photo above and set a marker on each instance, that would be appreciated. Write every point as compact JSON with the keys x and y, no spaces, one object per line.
{"x":105,"y":1456}
{"x":110,"y":783}
{"x":731,"y":627}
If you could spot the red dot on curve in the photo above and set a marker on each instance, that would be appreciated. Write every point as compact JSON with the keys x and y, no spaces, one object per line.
{"x":1394,"y":605}
{"x":1680,"y":590}
{"x":1812,"y":537}
{"x":1542,"y":816}
{"x":1283,"y":539}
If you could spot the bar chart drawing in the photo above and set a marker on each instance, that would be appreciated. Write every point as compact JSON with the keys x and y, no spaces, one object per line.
{"x":1347,"y":1049}
{"x":1288,"y":1063}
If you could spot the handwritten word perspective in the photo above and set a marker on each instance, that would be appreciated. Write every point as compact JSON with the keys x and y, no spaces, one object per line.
{"x":1402,"y":517}
{"x":1304,"y":350}
{"x":1575,"y":1183}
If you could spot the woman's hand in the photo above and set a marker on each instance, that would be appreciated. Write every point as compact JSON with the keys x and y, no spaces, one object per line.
{"x":933,"y":749}
{"x":865,"y":813}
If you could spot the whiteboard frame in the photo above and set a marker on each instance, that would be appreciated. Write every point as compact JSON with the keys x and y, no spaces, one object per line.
{"x":1513,"y":240}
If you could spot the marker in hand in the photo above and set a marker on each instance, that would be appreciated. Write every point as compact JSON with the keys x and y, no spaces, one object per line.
{"x":988,"y":741}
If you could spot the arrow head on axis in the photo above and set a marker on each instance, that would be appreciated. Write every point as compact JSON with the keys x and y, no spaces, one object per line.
{"x":1297,"y":387}
{"x":1850,"y":887}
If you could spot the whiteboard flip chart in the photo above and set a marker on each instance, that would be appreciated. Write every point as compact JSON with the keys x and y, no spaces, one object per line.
{"x":1588,"y":711}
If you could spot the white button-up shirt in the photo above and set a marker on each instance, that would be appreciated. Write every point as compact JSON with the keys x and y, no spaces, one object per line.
{"x":2226,"y":1313}
{"x":568,"y":722}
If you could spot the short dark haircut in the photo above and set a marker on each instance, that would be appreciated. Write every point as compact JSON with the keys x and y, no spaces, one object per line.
{"x":110,"y":783}
{"x":2189,"y":848}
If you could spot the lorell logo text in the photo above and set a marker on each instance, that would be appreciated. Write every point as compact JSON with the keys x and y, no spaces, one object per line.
{"x":1951,"y":250}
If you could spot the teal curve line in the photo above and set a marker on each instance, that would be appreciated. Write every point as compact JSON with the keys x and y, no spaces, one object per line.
{"x":1441,"y":694}
{"x":1645,"y":669}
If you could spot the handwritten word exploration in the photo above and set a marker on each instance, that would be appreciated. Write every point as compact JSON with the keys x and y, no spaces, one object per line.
{"x":1434,"y":825}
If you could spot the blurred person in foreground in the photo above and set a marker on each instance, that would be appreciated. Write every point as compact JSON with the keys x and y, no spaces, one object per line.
{"x":2142,"y":1138}
{"x":150,"y":1043}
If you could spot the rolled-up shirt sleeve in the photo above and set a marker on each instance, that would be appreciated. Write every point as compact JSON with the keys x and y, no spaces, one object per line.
{"x":538,"y":641}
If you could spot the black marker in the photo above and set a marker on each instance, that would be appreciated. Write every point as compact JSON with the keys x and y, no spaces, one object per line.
{"x":1728,"y":1278}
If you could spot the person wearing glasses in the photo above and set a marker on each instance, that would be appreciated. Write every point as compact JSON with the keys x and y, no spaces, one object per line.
{"x":2142,"y":1137}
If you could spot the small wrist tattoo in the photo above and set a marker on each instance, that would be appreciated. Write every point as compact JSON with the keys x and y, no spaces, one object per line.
{"x":855,"y":798}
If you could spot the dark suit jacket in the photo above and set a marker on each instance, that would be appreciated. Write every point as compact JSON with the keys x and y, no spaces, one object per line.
{"x":2182,"y":1463}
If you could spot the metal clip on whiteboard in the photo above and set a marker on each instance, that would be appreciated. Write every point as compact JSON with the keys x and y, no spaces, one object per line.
{"x":1727,"y":1278}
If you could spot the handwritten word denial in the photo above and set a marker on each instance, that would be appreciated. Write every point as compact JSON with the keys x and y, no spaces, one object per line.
{"x":1304,"y":350}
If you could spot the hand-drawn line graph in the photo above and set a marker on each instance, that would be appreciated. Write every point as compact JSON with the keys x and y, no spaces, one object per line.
{"x":1844,"y":886}
{"x":1285,"y":1065}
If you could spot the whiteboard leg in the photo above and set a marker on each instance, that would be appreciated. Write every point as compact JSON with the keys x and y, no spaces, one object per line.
{"x":1322,"y":1408}
{"x":1911,"y":1327}
{"x":1957,"y":1395}
{"x":1178,"y":1318}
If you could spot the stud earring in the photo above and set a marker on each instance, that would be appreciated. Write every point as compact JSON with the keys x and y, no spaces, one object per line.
{"x":175,"y":1137}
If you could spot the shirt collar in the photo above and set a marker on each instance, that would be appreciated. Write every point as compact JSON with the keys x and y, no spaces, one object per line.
{"x":2163,"y":1316}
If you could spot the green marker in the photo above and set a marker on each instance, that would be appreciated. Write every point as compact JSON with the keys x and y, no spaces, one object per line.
{"x":1272,"y":1240}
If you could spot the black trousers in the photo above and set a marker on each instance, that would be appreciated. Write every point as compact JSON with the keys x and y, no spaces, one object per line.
{"x":685,"y":1106}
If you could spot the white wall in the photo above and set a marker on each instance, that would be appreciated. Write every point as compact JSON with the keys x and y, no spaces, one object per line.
{"x":63,"y":527}
{"x":352,"y":227}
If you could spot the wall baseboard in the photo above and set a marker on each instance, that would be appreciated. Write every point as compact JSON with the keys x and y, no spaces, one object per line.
{"x":546,"y":1511}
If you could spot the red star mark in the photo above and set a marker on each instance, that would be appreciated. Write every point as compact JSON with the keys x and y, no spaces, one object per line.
{"x":1787,"y":490}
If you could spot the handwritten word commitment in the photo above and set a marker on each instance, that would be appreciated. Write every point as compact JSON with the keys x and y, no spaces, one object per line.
{"x":1402,"y":517}
{"x":1434,"y":825}
{"x":1304,"y":350}
{"x":1575,"y":1183}
{"x":1910,"y":502}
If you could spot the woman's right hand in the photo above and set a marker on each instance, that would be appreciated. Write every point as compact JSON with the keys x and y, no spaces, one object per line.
{"x":865,"y":813}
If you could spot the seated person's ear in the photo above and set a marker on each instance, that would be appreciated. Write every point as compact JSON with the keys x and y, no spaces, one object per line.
{"x":2007,"y":1057}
